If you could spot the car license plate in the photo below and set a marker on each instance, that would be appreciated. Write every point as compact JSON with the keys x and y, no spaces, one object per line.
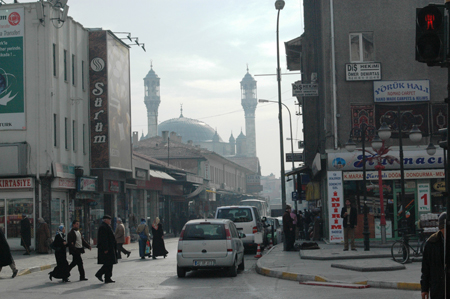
{"x":203,"y":263}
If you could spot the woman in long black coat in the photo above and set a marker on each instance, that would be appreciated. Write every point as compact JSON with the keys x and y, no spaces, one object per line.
{"x":159,"y":249}
{"x":62,"y":266}
{"x":6,"y":258}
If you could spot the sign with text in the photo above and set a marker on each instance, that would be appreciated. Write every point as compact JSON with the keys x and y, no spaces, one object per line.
{"x":395,"y":174}
{"x":423,"y":196}
{"x":17,"y":183}
{"x":335,"y":204}
{"x":296,"y":157}
{"x":305,"y":90}
{"x":12,"y":95}
{"x":401,"y":91}
{"x":363,"y":71}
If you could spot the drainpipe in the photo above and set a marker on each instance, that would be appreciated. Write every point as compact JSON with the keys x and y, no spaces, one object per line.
{"x":333,"y":69}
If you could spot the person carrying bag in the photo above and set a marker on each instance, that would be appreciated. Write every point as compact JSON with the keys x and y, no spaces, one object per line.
{"x":144,"y":237}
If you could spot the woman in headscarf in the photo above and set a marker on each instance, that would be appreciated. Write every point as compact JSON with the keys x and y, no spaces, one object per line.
{"x":43,"y":236}
{"x":158,"y":239}
{"x":62,"y":266}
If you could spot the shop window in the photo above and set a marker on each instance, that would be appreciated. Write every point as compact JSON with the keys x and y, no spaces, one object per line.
{"x":16,"y":208}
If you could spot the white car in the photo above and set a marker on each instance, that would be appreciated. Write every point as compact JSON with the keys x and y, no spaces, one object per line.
{"x":210,"y":244}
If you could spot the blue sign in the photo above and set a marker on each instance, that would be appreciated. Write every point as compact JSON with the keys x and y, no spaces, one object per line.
{"x":294,"y":196}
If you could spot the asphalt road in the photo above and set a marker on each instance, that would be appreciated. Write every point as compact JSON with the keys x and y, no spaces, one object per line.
{"x":136,"y":278}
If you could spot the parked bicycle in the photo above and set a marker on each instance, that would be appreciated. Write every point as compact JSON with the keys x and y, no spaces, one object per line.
{"x":401,"y":249}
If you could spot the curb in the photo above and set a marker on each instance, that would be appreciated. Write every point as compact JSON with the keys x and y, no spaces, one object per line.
{"x":307,"y":277}
{"x":35,"y":269}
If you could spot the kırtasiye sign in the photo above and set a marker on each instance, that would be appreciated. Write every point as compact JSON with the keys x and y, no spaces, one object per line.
{"x":401,"y":91}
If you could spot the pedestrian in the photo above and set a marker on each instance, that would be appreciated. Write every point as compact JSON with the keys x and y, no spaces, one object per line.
{"x":159,"y":249}
{"x":76,"y":248}
{"x":107,"y":248}
{"x":119,"y":234}
{"x":288,"y":227}
{"x":144,"y":236}
{"x":42,"y":236}
{"x":434,"y":280}
{"x":294,"y":222}
{"x":350,"y":219}
{"x":61,"y":270}
{"x":6,"y":258}
{"x":25,"y":234}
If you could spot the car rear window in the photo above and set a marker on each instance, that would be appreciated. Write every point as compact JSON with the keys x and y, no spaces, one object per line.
{"x":235,"y":214}
{"x":204,"y":232}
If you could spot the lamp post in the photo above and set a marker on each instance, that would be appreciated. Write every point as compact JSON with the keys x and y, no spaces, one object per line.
{"x":279,"y":5}
{"x":351,"y":146}
{"x":292,"y":140}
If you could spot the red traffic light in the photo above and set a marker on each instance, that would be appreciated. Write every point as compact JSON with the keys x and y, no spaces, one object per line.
{"x":429,"y":18}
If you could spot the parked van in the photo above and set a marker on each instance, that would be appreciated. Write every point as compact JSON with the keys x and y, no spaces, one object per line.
{"x":247,"y":220}
{"x":261,"y":205}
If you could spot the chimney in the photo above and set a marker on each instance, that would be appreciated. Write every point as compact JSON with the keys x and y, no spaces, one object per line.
{"x":135,"y":138}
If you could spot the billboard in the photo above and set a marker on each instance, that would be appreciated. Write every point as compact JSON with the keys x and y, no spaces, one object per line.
{"x":12,"y":95}
{"x":110,"y":104}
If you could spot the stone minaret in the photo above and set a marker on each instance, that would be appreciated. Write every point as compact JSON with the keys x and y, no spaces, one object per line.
{"x":249,"y":102}
{"x":152,"y":100}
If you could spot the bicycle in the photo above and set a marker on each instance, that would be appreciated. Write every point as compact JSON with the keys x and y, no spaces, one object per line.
{"x":400,"y":250}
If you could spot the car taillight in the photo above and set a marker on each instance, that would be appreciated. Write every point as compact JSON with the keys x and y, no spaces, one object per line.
{"x":255,"y":229}
{"x":180,"y":251}
{"x":227,"y":233}
{"x":181,"y":235}
{"x":230,"y":250}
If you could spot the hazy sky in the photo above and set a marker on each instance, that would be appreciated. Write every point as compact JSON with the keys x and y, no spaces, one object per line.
{"x":200,"y":49}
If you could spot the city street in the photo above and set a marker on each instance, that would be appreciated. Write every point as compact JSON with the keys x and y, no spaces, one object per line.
{"x":136,"y":278}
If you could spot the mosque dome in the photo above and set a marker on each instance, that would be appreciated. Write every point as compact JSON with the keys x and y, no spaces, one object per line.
{"x":188,"y":129}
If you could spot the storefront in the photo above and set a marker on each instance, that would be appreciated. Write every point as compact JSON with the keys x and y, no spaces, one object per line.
{"x":424,"y":185}
{"x":16,"y":198}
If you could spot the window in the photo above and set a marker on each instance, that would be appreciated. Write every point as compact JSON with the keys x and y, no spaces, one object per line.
{"x":65,"y":65}
{"x":74,"y":136}
{"x":54,"y":60}
{"x":66,"y":133}
{"x":73,"y":70}
{"x":82,"y":74}
{"x":361,"y":47}
{"x":55,"y":131}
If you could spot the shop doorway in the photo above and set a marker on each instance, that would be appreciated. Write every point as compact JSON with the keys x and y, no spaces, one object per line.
{"x":59,"y":212}
{"x":407,"y":214}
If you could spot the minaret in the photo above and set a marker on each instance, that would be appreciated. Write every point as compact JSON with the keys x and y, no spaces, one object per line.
{"x":249,"y":102}
{"x":152,"y":100}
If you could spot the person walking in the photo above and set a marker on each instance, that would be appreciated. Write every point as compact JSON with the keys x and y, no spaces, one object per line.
{"x":433,"y":279}
{"x":62,"y":266}
{"x":42,"y":236}
{"x":107,"y":248}
{"x":159,"y":249}
{"x":288,"y":228}
{"x":144,"y":236}
{"x":76,"y":248}
{"x":6,"y":258}
{"x":119,"y":234}
{"x":350,"y":219}
{"x":25,"y":234}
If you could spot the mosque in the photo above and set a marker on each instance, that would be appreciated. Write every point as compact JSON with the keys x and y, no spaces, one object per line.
{"x":240,"y":150}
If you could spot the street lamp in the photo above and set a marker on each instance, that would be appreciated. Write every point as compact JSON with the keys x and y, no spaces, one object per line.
{"x":292,"y":140}
{"x":279,"y":4}
{"x":351,"y":146}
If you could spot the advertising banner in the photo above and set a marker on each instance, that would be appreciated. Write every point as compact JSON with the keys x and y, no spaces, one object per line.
{"x":423,"y":196}
{"x":401,"y":91}
{"x":335,"y":204}
{"x":12,"y":94}
{"x":363,"y":71}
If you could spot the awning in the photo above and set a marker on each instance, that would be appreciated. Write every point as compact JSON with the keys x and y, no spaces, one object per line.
{"x":303,"y":169}
{"x":196,"y":191}
{"x":161,"y":175}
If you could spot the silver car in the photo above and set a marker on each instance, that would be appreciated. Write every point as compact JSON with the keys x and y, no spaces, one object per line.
{"x":210,"y":244}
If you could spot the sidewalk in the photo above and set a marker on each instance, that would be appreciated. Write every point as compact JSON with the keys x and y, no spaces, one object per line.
{"x":330,"y":265}
{"x":35,"y":262}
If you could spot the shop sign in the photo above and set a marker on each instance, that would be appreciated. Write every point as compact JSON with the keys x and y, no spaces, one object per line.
{"x":305,"y":90}
{"x":401,"y":91}
{"x":87,"y":184}
{"x":114,"y":186}
{"x":66,"y":171}
{"x":395,"y":175}
{"x":335,"y":203}
{"x":439,"y":186}
{"x":17,"y":183}
{"x":363,"y":71}
{"x":253,"y":179}
{"x":60,"y":183}
{"x":423,"y":195}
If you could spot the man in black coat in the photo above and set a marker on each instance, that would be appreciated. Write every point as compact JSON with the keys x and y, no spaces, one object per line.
{"x":349,"y":215}
{"x":288,"y":227}
{"x":6,"y":258}
{"x":433,"y":279}
{"x":25,"y":234}
{"x":76,"y":247}
{"x":107,"y":247}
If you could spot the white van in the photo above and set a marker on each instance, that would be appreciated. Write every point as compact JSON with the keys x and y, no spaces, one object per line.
{"x":261,"y":205}
{"x":247,"y":220}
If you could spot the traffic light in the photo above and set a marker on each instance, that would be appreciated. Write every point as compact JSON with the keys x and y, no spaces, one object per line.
{"x":431,"y":34}
{"x":444,"y":134}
